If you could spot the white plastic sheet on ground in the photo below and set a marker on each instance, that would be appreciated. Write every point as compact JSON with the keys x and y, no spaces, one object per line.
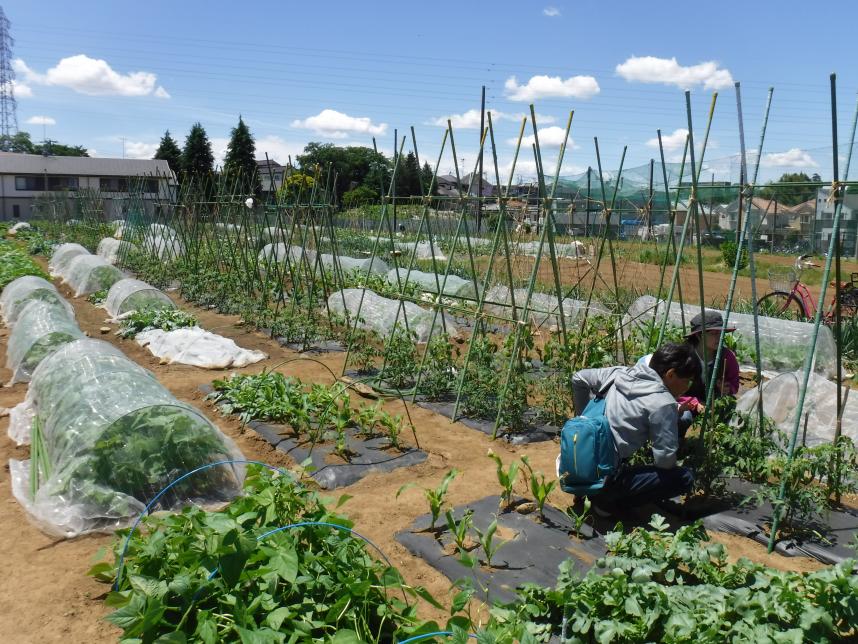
{"x":41,"y":329}
{"x":62,"y":257}
{"x":134,"y":295}
{"x":819,"y":416}
{"x":21,"y":225}
{"x":24,"y":290}
{"x":381,"y":314}
{"x":89,"y":273}
{"x":421,"y":250}
{"x":543,"y":307}
{"x":272,"y":234}
{"x":347,"y":264}
{"x":163,"y":247}
{"x":430,"y":282}
{"x":197,"y":347}
{"x":571,"y":250}
{"x":115,"y":437}
{"x":111,"y":249}
{"x":783,"y":343}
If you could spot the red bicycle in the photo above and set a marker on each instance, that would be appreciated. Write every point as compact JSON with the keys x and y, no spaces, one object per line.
{"x":791,"y":298}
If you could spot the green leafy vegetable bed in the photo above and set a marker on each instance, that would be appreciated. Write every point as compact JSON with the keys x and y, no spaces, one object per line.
{"x":15,"y":263}
{"x":155,"y":318}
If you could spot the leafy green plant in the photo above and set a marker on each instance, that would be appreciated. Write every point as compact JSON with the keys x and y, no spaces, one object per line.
{"x":212,"y":577}
{"x":400,"y":358}
{"x":363,"y":353}
{"x":729,"y":250}
{"x":97,"y":298}
{"x":480,"y":380}
{"x":506,"y":478}
{"x":579,"y":518}
{"x":554,"y":391}
{"x":460,"y":529}
{"x":157,"y":318}
{"x":515,"y":360}
{"x":436,"y":381}
{"x":538,"y":486}
{"x":435,"y":497}
{"x":659,"y":586}
{"x":15,"y":263}
{"x":488,"y":543}
{"x":393,"y":427}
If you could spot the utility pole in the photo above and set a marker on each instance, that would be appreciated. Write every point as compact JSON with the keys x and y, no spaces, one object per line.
{"x":8,"y":106}
{"x":123,"y":146}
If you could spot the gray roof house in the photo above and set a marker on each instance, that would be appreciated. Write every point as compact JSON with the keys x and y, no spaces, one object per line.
{"x":26,"y":177}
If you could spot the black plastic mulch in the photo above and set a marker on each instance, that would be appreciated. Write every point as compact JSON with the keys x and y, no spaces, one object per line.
{"x":532,"y":553}
{"x":367,"y":455}
{"x":828,"y":542}
{"x":534,"y":432}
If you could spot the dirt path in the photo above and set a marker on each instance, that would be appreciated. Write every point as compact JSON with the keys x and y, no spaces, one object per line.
{"x":48,"y":598}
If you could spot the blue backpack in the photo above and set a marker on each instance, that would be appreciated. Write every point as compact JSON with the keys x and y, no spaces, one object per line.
{"x":587,"y":451}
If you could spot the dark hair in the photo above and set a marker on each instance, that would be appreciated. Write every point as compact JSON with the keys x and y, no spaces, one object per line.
{"x":682,"y":358}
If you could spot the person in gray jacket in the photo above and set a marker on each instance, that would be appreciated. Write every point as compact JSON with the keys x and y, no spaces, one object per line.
{"x":641,"y":406}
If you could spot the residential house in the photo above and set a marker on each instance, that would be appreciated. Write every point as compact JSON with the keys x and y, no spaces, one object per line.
{"x":447,"y":186}
{"x":271,"y":175}
{"x":26,"y":177}
{"x":486,"y":189}
{"x":823,"y":224}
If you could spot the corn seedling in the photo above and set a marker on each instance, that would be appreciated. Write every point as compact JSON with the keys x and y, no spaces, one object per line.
{"x":506,"y":478}
{"x":538,"y":487}
{"x":488,"y":543}
{"x":579,"y":518}
{"x":435,"y":497}
{"x":460,"y":529}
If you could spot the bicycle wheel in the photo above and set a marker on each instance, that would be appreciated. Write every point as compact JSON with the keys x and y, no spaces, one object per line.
{"x":779,"y":304}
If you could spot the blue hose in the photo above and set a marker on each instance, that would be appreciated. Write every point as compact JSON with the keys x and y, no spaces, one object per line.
{"x":417,"y":638}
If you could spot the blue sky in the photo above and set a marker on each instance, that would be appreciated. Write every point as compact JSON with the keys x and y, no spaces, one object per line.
{"x":98,"y":72}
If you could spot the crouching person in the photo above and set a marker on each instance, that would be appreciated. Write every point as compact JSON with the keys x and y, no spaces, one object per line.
{"x":620,"y":409}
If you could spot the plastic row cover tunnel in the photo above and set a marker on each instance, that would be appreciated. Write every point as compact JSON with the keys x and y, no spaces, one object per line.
{"x":111,"y":249}
{"x":381,"y":314}
{"x":63,"y":256}
{"x":24,"y":290}
{"x":135,"y":295}
{"x":783,"y":343}
{"x":114,"y":437}
{"x":89,"y":273}
{"x":41,"y":329}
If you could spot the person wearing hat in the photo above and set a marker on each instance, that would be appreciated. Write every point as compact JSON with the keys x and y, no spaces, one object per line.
{"x":705,"y":332}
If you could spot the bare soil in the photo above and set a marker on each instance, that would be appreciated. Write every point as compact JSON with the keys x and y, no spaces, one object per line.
{"x":47,"y":596}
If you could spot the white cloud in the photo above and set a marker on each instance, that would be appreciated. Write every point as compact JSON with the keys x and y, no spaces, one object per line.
{"x":471,"y":119}
{"x":41,"y":120}
{"x":219,"y":146}
{"x":277,"y":149}
{"x":649,"y":69}
{"x":551,"y":87}
{"x":670,"y":142}
{"x":338,"y":125}
{"x":140,"y":150}
{"x":21,"y":90}
{"x":549,"y":137}
{"x":551,"y":12}
{"x":92,"y":152}
{"x":792,"y":158}
{"x":92,"y":76}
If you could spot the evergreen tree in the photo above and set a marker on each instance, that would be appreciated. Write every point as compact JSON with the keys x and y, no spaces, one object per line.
{"x":428,"y":176}
{"x":197,"y":156}
{"x":169,"y":151}
{"x":408,"y":177}
{"x":239,"y":164}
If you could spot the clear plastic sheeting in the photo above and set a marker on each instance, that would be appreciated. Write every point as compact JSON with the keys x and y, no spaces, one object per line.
{"x":41,"y":329}
{"x":783,"y":343}
{"x":348,"y":264}
{"x":134,"y":295}
{"x":544,"y":309}
{"x":110,"y":249}
{"x":24,"y":290}
{"x":119,"y":228}
{"x":430,"y":282}
{"x":277,"y":253}
{"x":572,"y":250}
{"x":114,"y":440}
{"x":198,"y":348}
{"x":272,"y":235}
{"x":421,"y":250}
{"x":167,"y":248}
{"x":63,"y":256}
{"x":819,"y":416}
{"x":21,"y":225}
{"x":90,"y":273}
{"x":381,"y":314}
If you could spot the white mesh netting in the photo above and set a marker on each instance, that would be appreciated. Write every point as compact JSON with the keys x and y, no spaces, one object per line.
{"x":134,"y":295}
{"x":421,"y":250}
{"x":819,"y":416}
{"x":783,"y":343}
{"x":543,"y":307}
{"x":114,"y":438}
{"x":89,"y":273}
{"x":167,"y":248}
{"x":348,"y":264}
{"x":41,"y":329}
{"x":112,"y":249}
{"x":24,"y":290}
{"x":381,"y":314}
{"x":277,"y":253}
{"x":62,"y":257}
{"x":430,"y":282}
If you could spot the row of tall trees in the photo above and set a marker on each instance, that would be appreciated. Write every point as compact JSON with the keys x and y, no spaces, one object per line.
{"x":195,"y":161}
{"x":21,"y":143}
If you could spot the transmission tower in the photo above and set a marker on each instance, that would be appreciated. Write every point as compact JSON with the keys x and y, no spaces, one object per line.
{"x":8,"y":106}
